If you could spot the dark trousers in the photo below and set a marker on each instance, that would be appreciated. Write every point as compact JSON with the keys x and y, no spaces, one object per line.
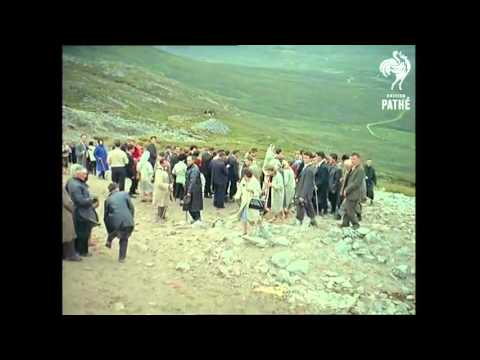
{"x":194,"y":214}
{"x":123,"y":234}
{"x":92,"y":167}
{"x":134,"y":186}
{"x":118,"y":176}
{"x":208,"y":181}
{"x":370,"y":191}
{"x":334,"y":198}
{"x":179,"y":191}
{"x":306,"y":206}
{"x":233,"y":188}
{"x":68,"y":249}
{"x":219,"y":196}
{"x":322,"y":199}
{"x":83,"y":229}
{"x":351,"y":207}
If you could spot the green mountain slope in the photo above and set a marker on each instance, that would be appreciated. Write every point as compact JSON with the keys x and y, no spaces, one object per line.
{"x":161,"y":92}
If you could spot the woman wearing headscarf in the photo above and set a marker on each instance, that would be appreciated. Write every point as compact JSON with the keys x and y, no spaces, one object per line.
{"x":145,"y":169}
{"x":274,"y":187}
{"x":249,"y":188}
{"x":289,"y":180}
{"x":100,"y":155}
{"x":161,"y":190}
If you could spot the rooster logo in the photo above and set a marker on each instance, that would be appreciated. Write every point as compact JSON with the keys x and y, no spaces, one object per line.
{"x":399,"y":65}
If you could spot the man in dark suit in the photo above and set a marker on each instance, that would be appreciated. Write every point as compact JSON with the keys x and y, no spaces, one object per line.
{"x":152,"y":149}
{"x":219,"y":180}
{"x":118,"y":217}
{"x":233,"y":173}
{"x":371,"y":179}
{"x":352,"y":192}
{"x":335,"y":174}
{"x":206,"y":171}
{"x":304,"y":190}
{"x":321,"y":181}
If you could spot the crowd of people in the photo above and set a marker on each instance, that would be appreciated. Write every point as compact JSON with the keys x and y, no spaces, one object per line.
{"x":312,"y":182}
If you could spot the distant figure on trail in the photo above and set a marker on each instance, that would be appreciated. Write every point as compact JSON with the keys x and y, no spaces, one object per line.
{"x":118,"y":159}
{"x":84,"y":216}
{"x":161,"y":191}
{"x":352,"y":192}
{"x":145,"y":170}
{"x":304,"y":190}
{"x":152,"y":150}
{"x":193,"y":187}
{"x":101,"y":159}
{"x":249,"y":188}
{"x":118,"y":218}
{"x":371,"y":180}
{"x":81,"y":151}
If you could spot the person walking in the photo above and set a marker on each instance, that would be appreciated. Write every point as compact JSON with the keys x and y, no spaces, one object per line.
{"x":68,"y":228}
{"x":118,"y":218}
{"x":92,"y":161}
{"x":131,"y":170}
{"x":101,"y":156}
{"x":304,"y":190}
{"x":145,"y":170}
{"x":335,"y":174}
{"x":371,"y":180}
{"x":321,"y":181}
{"x":352,"y":192}
{"x":193,"y":187}
{"x":206,"y":171}
{"x":179,"y":171}
{"x":118,"y":159}
{"x":219,"y":180}
{"x":152,"y":150}
{"x":84,"y":216}
{"x":65,"y":157}
{"x":161,"y":191}
{"x":249,"y":188}
{"x":81,"y":151}
{"x":289,"y":181}
{"x":233,"y":173}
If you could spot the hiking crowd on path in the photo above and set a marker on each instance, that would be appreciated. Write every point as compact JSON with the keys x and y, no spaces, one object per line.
{"x":313,"y":183}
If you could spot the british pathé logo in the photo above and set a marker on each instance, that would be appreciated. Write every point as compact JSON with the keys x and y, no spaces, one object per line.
{"x":400,"y":67}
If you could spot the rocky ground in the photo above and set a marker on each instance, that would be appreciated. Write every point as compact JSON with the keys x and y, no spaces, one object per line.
{"x":178,"y":268}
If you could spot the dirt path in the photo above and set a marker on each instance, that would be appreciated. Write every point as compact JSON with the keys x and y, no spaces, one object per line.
{"x":370,"y":125}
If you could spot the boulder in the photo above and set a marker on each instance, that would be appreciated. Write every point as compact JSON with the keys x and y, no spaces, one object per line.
{"x":282,"y":259}
{"x":182,"y":266}
{"x":280,"y":241}
{"x":400,"y":271}
{"x":299,"y":266}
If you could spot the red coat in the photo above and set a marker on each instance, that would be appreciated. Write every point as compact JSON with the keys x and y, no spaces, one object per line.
{"x":137,"y":153}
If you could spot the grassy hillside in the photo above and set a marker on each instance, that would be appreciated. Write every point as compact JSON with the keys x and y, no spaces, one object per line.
{"x":107,"y":89}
